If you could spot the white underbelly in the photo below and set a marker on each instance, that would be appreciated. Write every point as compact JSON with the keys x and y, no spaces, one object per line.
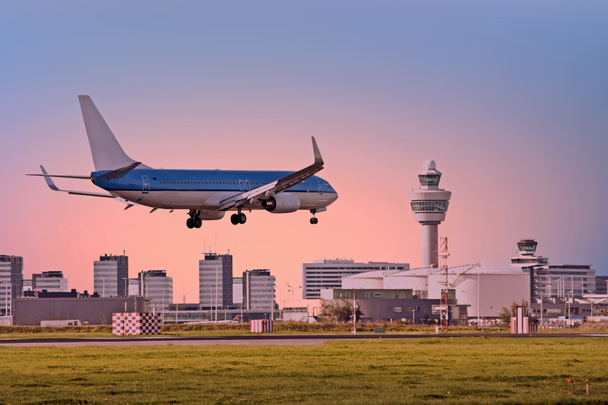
{"x":211,"y":200}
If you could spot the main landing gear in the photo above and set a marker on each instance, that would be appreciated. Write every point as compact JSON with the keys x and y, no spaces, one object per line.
{"x":314,"y":220}
{"x":239,"y":218}
{"x":194,"y":221}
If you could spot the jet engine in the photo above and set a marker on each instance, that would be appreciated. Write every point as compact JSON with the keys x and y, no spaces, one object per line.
{"x":282,"y":203}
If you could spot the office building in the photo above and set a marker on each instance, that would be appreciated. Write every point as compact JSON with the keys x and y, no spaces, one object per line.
{"x":11,"y":281}
{"x":158,"y":288}
{"x":51,"y":281}
{"x":321,"y":274}
{"x":110,"y":275}
{"x":601,"y":284}
{"x":553,"y":280}
{"x":215,"y":280}
{"x":429,"y":204}
{"x":258,"y":290}
{"x":564,"y":281}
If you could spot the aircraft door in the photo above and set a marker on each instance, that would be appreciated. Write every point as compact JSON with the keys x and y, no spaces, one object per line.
{"x":145,"y":181}
{"x":320,"y":186}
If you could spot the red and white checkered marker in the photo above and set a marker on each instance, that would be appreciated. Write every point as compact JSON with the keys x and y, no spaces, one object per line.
{"x":136,"y":323}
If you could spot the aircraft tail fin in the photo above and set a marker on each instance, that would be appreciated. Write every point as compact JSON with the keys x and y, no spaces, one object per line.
{"x":107,"y":152}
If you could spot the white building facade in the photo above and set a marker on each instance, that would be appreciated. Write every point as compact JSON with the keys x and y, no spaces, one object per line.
{"x":237,"y":290}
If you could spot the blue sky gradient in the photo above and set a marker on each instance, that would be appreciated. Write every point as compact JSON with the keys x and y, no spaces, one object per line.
{"x":509,"y":98}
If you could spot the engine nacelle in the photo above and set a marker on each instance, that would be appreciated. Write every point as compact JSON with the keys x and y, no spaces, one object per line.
{"x":211,"y":215}
{"x":281,"y":203}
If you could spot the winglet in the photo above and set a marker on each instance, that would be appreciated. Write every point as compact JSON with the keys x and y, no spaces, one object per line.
{"x":48,"y":180}
{"x":315,"y":148}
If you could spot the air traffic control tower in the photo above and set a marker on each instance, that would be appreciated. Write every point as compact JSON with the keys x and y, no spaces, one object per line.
{"x":429,"y":204}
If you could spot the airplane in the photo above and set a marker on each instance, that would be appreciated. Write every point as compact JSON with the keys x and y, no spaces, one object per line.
{"x":206,"y":194}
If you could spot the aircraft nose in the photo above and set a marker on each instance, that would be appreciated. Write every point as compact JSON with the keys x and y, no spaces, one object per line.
{"x":334,"y":197}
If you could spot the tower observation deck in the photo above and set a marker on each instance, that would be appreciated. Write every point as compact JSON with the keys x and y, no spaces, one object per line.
{"x":429,"y":204}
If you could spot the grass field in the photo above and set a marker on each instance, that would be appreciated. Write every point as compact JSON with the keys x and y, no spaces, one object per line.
{"x":433,"y":370}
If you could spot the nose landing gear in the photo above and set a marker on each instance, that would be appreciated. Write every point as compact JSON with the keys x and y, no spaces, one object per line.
{"x":314,"y":220}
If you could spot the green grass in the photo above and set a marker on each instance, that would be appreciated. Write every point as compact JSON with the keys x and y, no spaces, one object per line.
{"x":434,"y":371}
{"x":21,"y":332}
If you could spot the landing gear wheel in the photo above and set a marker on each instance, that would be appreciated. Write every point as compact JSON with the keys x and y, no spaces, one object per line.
{"x":235,"y":219}
{"x":190,"y":223}
{"x":242,"y":218}
{"x":314,"y":221}
{"x":198,"y":222}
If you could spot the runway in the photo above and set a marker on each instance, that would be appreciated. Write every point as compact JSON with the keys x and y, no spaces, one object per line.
{"x":265,"y":339}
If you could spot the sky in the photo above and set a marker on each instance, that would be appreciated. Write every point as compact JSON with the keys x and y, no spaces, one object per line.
{"x":510,"y":99}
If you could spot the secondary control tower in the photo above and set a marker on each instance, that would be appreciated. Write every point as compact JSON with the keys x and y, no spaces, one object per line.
{"x":429,"y":204}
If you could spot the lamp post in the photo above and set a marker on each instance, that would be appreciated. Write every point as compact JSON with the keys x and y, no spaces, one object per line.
{"x":354,"y":312}
{"x":217,"y":270}
{"x":478,"y":300}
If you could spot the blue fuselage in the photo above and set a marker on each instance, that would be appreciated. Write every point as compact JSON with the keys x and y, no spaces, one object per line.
{"x":205,"y":189}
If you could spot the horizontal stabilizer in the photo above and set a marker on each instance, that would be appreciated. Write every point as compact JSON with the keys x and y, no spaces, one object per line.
{"x":52,"y":186}
{"x":65,"y":176}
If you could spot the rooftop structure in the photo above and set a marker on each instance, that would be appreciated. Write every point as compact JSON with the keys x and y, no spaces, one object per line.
{"x":429,"y":204}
